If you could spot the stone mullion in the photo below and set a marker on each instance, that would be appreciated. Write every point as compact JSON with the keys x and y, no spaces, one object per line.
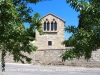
{"x":53,"y":26}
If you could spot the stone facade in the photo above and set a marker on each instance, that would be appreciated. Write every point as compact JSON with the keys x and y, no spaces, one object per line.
{"x":56,"y":37}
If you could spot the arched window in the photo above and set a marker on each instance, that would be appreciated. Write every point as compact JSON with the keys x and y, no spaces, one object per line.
{"x":44,"y":26}
{"x":55,"y":26}
{"x":48,"y":26}
{"x":52,"y":26}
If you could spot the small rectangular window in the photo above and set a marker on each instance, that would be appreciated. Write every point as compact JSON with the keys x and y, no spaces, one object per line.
{"x":49,"y":43}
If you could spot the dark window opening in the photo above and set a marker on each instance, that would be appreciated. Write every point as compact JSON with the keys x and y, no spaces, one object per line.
{"x":44,"y":26}
{"x":49,"y":43}
{"x":55,"y":26}
{"x":48,"y":26}
{"x":51,"y":26}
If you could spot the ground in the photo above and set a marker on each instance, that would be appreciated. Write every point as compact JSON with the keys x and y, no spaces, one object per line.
{"x":19,"y":69}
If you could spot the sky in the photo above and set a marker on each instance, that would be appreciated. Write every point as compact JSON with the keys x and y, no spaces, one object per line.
{"x":59,"y":8}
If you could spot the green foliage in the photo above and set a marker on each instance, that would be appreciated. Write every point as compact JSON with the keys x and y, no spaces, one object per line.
{"x":71,"y":29}
{"x":14,"y":37}
{"x":85,"y":38}
{"x":68,"y":54}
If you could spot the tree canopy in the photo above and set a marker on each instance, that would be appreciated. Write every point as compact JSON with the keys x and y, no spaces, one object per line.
{"x":14,"y":37}
{"x":86,"y":36}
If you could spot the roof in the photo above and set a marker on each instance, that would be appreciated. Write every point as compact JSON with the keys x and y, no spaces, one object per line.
{"x":54,"y":16}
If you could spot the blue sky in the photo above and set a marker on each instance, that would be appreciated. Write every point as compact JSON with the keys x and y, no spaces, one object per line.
{"x":59,"y":8}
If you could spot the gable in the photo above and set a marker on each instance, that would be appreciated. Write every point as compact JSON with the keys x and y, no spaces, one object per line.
{"x":53,"y":16}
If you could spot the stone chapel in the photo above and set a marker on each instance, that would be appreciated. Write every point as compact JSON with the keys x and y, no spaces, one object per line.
{"x":53,"y":28}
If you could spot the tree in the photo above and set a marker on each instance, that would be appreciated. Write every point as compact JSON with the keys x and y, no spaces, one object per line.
{"x":86,"y":36}
{"x":14,"y":37}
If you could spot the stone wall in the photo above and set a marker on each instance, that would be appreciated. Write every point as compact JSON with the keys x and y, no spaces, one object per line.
{"x":52,"y":57}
